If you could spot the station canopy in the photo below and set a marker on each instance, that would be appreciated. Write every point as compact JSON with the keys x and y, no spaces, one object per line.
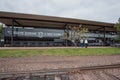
{"x":40,"y":21}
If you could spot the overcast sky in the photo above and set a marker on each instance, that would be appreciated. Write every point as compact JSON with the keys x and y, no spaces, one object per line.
{"x":97,"y":10}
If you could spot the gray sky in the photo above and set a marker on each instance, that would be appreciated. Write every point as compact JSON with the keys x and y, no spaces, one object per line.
{"x":97,"y":10}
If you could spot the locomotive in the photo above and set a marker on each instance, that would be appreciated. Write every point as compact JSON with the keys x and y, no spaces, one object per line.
{"x":33,"y":37}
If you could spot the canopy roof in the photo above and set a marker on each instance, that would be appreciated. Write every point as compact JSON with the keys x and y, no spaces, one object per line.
{"x":31,"y":20}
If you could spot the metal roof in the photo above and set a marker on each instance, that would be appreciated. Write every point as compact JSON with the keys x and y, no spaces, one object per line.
{"x":32,"y":20}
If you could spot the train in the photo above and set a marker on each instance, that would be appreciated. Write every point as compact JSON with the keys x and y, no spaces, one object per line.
{"x":36,"y":37}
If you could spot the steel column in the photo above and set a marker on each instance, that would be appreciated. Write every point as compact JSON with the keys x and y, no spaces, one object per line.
{"x":67,"y":35}
{"x":12,"y":32}
{"x":104,"y":38}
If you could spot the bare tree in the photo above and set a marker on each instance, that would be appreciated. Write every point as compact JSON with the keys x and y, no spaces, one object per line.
{"x":78,"y":32}
{"x":66,"y":35}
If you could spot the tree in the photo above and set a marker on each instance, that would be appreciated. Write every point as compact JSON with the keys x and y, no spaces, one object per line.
{"x":78,"y":32}
{"x":117,"y":26}
{"x":66,"y":35}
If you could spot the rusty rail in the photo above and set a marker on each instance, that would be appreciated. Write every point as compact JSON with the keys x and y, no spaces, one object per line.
{"x":63,"y":71}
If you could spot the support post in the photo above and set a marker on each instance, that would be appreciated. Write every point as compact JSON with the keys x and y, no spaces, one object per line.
{"x":104,"y":37}
{"x":12,"y":32}
{"x":67,"y":35}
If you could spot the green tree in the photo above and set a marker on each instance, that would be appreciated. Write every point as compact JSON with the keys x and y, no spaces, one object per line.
{"x":117,"y":26}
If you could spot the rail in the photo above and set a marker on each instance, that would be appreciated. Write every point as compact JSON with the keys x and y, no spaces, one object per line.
{"x":63,"y":70}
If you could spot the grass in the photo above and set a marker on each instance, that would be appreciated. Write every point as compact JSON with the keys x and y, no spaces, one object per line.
{"x":59,"y":52}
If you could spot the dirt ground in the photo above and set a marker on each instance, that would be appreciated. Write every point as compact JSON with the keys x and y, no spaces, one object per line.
{"x":54,"y":62}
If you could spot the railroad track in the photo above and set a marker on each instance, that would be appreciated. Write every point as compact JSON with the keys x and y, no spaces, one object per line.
{"x":54,"y":72}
